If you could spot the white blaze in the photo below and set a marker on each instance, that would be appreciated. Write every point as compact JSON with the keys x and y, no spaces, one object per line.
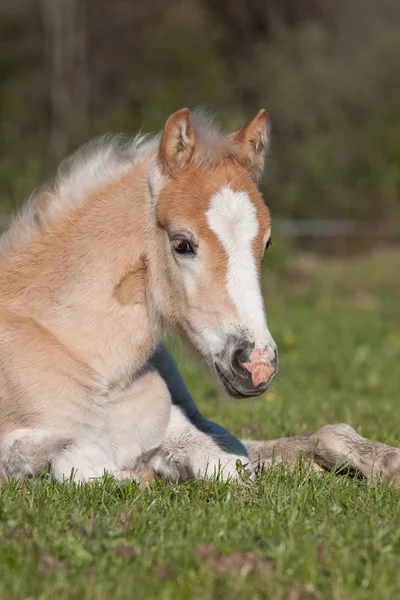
{"x":233,"y":218}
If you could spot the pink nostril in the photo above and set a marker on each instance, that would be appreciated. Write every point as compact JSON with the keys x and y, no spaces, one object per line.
{"x":258,"y":367}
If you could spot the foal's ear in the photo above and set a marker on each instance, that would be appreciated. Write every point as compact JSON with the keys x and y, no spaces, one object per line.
{"x":253,"y":138}
{"x":177,"y":142}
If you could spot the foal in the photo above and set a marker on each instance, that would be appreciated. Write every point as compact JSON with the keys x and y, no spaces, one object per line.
{"x":164,"y":231}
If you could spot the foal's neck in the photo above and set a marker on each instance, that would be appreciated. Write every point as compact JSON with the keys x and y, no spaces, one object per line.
{"x":85,"y":278}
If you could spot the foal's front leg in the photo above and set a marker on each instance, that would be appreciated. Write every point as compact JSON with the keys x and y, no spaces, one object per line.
{"x":330,"y":447}
{"x":194,"y":440}
{"x":195,"y":447}
{"x":132,"y":424}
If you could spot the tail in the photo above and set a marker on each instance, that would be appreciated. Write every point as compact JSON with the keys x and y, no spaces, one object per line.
{"x":27,"y":452}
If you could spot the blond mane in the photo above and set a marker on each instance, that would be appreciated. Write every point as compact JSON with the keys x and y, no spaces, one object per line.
{"x":97,"y":163}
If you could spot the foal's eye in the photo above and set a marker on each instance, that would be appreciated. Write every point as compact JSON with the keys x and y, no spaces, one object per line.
{"x":268,"y":244}
{"x":182,"y":247}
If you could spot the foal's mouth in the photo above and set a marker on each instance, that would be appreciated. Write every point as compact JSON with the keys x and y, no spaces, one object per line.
{"x":233,"y":391}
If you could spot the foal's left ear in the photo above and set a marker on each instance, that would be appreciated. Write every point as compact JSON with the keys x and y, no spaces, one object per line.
{"x":253,"y":138}
{"x":177,"y":143}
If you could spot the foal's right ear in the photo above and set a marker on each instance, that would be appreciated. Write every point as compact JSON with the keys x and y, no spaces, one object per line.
{"x":253,"y":138}
{"x":177,"y":143}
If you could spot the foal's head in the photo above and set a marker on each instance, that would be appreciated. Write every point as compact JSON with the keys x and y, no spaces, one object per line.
{"x":215,"y":229}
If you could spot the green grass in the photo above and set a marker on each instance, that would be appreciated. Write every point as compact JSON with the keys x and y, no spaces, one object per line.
{"x":298,"y":536}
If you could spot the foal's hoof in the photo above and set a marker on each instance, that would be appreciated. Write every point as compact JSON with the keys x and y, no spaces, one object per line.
{"x":142,"y":476}
{"x":396,"y":481}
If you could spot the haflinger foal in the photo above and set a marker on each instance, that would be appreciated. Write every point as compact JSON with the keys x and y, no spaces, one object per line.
{"x":129,"y":239}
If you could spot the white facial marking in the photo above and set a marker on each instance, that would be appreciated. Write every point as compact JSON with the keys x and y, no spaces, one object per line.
{"x":233,"y":218}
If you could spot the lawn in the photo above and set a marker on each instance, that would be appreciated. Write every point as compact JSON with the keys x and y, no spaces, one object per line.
{"x":298,"y":536}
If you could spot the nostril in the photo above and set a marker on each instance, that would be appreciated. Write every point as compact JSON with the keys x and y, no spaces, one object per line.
{"x":256,"y":363}
{"x":239,"y":356}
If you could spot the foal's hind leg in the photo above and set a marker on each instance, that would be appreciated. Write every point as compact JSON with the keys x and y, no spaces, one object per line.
{"x":329,"y":447}
{"x":27,"y":452}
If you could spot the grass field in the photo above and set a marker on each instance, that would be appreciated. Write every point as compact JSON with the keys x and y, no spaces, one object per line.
{"x":299,"y":536}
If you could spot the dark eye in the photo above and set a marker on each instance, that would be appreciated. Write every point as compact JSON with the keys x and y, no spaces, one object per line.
{"x":268,"y":244}
{"x":182,"y":247}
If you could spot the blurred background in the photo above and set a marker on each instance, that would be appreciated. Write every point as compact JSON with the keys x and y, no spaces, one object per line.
{"x":328,"y":74}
